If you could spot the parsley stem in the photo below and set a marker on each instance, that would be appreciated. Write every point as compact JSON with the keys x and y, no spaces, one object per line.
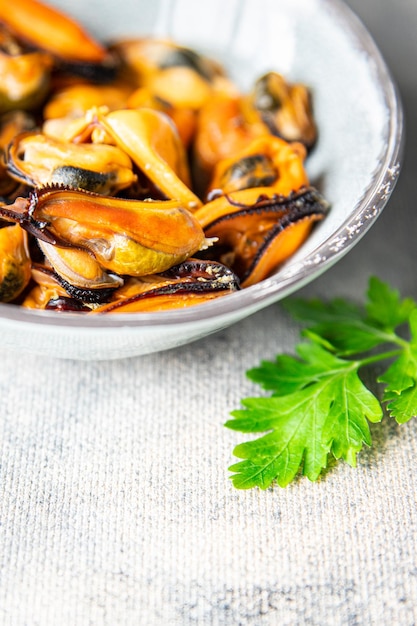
{"x":379,"y":357}
{"x":399,"y":341}
{"x":387,"y":337}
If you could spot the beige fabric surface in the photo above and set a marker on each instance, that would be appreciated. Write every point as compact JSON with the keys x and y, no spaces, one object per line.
{"x":115,"y":503}
{"x":117,"y":507}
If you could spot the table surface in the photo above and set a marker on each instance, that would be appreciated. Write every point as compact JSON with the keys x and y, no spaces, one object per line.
{"x":115,"y":501}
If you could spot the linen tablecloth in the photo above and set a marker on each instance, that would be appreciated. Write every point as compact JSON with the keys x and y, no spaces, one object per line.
{"x":116,"y":503}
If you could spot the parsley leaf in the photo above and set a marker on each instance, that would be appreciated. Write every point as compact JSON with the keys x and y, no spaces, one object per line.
{"x":351,"y":328}
{"x":401,"y":379}
{"x":385,"y":307}
{"x":319,"y":406}
{"x":326,"y":412}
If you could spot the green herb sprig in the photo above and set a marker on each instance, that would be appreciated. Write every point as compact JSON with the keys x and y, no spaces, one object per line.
{"x":319,"y":407}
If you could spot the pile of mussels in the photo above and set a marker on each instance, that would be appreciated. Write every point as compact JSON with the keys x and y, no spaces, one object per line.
{"x":135,"y":176}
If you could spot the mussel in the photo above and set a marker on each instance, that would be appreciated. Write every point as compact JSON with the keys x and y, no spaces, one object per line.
{"x":48,"y":291}
{"x":48,"y":29}
{"x":24,"y":75}
{"x":228,"y":122}
{"x":74,"y":100}
{"x":184,"y":117}
{"x":37,"y":160}
{"x":285,"y":108}
{"x":124,"y":236}
{"x":266,"y":162}
{"x":189,"y":283}
{"x":79,"y":273}
{"x":15,"y":263}
{"x":148,"y":136}
{"x":221,"y":132}
{"x":11,"y":124}
{"x":257,"y":230}
{"x":46,"y":288}
{"x":152,"y":141}
{"x":172,"y":73}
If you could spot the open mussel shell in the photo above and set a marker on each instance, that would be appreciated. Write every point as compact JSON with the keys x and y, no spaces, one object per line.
{"x":257,"y":231}
{"x":189,"y":283}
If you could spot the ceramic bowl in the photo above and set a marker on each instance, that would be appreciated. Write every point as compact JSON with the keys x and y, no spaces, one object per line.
{"x":355,"y":163}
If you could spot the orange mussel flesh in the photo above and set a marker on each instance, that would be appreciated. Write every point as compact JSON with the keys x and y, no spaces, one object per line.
{"x":256,"y":231}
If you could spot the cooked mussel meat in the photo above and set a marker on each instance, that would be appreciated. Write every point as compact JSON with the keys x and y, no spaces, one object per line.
{"x":184,"y":117}
{"x":256,"y":231}
{"x":46,"y":28}
{"x":285,"y":108}
{"x":11,"y":124}
{"x":47,"y":289}
{"x":172,"y":73}
{"x":266,"y":162}
{"x":15,"y":263}
{"x":221,"y":132}
{"x":152,"y":142}
{"x":150,"y":181}
{"x":74,"y":100}
{"x":79,"y":273}
{"x":36,"y":159}
{"x":124,"y":236}
{"x":24,"y":75}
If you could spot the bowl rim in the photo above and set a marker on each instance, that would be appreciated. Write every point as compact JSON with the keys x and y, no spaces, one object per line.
{"x":280,"y":285}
